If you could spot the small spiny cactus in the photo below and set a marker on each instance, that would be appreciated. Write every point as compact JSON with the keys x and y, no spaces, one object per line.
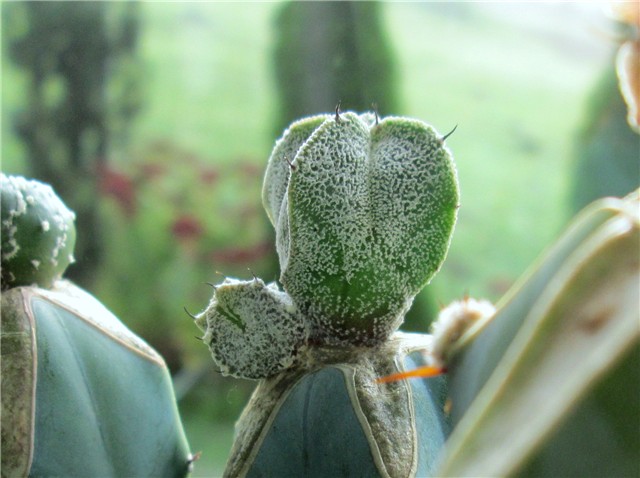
{"x":252,"y":328}
{"x":38,"y":233}
{"x":364,"y":210}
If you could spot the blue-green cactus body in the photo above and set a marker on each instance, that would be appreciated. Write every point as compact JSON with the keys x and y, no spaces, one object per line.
{"x":560,"y":358}
{"x":82,"y":395}
{"x":471,"y":370}
{"x":363,"y":211}
{"x":297,"y":444}
{"x":38,"y":233}
{"x":332,"y":417}
{"x":432,"y":419}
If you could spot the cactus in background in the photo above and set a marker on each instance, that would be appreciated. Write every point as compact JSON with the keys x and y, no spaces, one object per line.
{"x":363,"y":209}
{"x":606,"y":156}
{"x":606,"y":159}
{"x":38,"y":233}
{"x":81,"y":394}
{"x":346,"y":42}
{"x":560,"y":358}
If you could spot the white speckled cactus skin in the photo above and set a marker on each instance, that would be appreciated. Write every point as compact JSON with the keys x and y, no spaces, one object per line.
{"x":38,"y":233}
{"x":253,"y":329}
{"x":363,"y":210}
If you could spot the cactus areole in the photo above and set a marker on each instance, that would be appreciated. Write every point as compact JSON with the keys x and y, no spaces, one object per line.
{"x":38,"y":233}
{"x":363,"y":209}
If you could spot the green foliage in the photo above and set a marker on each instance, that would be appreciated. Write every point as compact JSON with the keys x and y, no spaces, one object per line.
{"x":331,"y":51}
{"x":38,"y":233}
{"x":560,"y":359}
{"x":82,"y":395}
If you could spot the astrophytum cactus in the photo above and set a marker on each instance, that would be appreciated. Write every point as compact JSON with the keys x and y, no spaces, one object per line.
{"x":254,"y":329}
{"x":81,"y":394}
{"x":38,"y":233}
{"x":363,"y":210}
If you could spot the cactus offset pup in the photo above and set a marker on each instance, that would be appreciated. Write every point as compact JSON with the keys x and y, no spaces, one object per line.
{"x":38,"y":233}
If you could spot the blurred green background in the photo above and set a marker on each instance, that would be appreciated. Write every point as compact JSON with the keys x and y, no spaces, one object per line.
{"x":154,"y":121}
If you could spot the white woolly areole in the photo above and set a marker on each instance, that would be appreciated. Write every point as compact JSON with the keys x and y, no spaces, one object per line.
{"x":252,"y":329}
{"x":454,"y":320}
{"x":363,"y":213}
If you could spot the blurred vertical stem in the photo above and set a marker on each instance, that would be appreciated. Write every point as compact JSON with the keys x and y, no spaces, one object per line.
{"x":331,"y":51}
{"x":68,"y":52}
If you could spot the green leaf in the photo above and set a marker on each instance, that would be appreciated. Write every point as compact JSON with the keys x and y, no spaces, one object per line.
{"x":552,"y":391}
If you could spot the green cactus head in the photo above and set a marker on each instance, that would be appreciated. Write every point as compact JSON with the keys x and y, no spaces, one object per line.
{"x":252,"y":329}
{"x":38,"y":233}
{"x":363,"y":211}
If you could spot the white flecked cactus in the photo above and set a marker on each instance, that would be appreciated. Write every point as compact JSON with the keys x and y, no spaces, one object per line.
{"x":363,"y":210}
{"x":253,"y":328}
{"x":38,"y":233}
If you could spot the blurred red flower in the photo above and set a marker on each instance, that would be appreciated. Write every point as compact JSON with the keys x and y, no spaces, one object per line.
{"x":119,"y":186}
{"x":209,"y":176}
{"x":186,"y":228}
{"x":242,"y":255}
